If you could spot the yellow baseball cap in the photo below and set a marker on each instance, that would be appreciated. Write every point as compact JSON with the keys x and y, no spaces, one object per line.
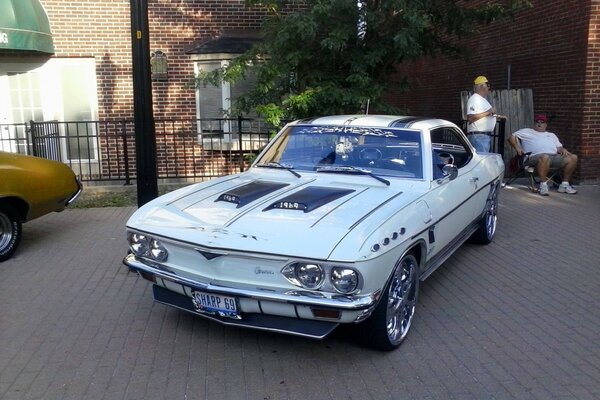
{"x":480,"y":79}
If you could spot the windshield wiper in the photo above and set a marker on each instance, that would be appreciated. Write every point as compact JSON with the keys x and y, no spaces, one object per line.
{"x":280,"y":166}
{"x":352,"y":170}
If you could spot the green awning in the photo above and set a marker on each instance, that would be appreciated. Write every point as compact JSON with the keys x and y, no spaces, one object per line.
{"x":24,"y":25}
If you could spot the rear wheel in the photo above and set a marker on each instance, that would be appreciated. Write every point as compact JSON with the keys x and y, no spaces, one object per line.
{"x":487,"y":226}
{"x":11,"y":231}
{"x":389,"y":324}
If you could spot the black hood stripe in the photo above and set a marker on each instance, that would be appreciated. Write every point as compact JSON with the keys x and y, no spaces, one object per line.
{"x":309,"y":199}
{"x":406,"y":122}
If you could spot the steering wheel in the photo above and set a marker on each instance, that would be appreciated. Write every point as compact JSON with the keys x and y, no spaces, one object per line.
{"x":370,"y":154}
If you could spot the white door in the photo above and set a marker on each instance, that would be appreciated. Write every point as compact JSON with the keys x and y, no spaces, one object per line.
{"x":21,"y":101}
{"x":55,"y":90}
{"x":453,"y":204}
{"x":6,"y":144}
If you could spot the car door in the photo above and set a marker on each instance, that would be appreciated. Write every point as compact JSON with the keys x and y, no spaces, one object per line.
{"x":454,"y":203}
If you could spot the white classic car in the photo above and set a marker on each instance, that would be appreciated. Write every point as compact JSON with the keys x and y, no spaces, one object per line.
{"x":336,"y":222}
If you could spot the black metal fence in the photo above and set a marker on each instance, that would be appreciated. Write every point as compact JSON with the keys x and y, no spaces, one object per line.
{"x":105,"y":150}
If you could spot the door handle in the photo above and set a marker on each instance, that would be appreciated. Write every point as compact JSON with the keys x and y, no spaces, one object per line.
{"x":474,"y":180}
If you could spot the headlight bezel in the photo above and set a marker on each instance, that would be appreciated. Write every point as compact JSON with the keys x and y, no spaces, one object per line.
{"x":147,"y":246}
{"x":139,"y":244}
{"x":309,"y":275}
{"x":347,"y":273}
{"x":326,"y":284}
{"x":158,"y":251}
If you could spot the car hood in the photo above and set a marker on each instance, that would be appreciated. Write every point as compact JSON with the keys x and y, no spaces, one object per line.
{"x":305,"y":217}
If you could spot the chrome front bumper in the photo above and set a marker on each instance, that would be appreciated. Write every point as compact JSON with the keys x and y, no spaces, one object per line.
{"x":76,"y":194}
{"x":290,"y":296}
{"x":273,"y":309}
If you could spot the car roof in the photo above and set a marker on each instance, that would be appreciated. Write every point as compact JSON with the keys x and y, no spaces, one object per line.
{"x":397,"y":121}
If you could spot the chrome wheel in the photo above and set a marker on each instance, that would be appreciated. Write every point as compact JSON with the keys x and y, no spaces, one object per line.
{"x":390,"y":322}
{"x":487,"y":229}
{"x":6,"y":233}
{"x":10,"y":231}
{"x":491,"y":214}
{"x":401,"y":300}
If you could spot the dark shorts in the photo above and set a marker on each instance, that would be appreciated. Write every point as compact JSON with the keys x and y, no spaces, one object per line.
{"x":556,"y":160}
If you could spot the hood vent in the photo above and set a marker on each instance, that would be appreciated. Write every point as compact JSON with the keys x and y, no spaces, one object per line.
{"x":309,"y":199}
{"x":246,"y":194}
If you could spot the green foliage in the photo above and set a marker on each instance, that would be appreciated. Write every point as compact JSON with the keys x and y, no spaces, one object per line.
{"x":335,"y":56}
{"x":249,"y":158}
{"x":106,"y":199}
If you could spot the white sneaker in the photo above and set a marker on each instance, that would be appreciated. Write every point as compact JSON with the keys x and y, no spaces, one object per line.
{"x":543,"y":189}
{"x":566,"y":188}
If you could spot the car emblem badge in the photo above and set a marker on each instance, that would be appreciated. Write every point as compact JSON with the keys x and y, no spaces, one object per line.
{"x":260,"y":271}
{"x":208,"y":255}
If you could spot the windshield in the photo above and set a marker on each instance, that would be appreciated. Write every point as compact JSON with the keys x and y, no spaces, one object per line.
{"x":382,"y":151}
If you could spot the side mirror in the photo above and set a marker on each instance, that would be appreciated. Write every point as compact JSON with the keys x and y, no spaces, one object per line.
{"x":450,"y":172}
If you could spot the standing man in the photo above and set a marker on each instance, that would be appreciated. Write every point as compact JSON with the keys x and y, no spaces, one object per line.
{"x":481,"y":116}
{"x":546,"y":152}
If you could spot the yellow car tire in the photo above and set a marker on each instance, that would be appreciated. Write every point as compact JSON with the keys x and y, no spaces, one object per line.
{"x":11,"y":231}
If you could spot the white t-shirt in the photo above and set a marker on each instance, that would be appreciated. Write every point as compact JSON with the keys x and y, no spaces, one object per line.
{"x":538,"y":142}
{"x":475,"y":105}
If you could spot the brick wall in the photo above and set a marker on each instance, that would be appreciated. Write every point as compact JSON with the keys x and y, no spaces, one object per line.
{"x":546,"y":49}
{"x":590,"y":126}
{"x":98,"y":29}
{"x":101,"y":29}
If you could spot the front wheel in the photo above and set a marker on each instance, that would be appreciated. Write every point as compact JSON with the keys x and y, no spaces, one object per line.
{"x":389,"y":324}
{"x":10,"y":231}
{"x":487,"y":226}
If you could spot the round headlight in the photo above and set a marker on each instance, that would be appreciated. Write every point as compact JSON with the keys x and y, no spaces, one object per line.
{"x":345,"y":280}
{"x":158,"y":251}
{"x":138,"y":243}
{"x":310,"y":276}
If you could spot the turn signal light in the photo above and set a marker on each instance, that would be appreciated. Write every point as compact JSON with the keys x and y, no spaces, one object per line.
{"x":326,"y":313}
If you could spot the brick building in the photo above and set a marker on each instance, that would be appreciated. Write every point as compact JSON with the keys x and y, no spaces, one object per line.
{"x":93,"y":37}
{"x":84,"y":74}
{"x":553,"y":49}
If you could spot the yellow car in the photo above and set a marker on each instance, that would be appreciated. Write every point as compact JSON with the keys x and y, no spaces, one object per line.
{"x":29,"y":188}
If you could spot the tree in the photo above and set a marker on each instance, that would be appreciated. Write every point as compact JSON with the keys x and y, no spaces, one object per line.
{"x":335,"y":56}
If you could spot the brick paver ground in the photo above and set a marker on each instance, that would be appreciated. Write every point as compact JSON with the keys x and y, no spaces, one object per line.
{"x":518,"y":319}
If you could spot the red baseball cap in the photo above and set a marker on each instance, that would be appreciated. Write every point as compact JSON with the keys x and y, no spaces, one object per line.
{"x":540,"y":117}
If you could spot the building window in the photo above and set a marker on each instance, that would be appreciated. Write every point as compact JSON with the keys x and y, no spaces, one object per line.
{"x":214,"y":103}
{"x":59,"y":90}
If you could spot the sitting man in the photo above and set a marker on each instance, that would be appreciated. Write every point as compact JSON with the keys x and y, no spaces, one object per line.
{"x":546,"y":152}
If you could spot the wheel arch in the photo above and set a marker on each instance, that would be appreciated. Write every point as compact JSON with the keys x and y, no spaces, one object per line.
{"x":371,"y":330}
{"x":20,"y":205}
{"x":419,"y":250}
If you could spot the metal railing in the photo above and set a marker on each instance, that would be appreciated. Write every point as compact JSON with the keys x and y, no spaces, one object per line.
{"x":105,"y":150}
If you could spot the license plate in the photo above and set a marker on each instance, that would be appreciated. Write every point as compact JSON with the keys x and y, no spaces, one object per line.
{"x":210,"y":303}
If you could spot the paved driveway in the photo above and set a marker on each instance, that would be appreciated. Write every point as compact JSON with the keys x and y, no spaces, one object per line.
{"x":519,"y":319}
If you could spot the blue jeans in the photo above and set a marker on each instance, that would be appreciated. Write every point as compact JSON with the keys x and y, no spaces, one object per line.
{"x":480,"y":141}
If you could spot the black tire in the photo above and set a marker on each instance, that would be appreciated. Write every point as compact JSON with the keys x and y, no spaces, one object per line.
{"x":391,"y":320}
{"x":11,"y":231}
{"x":487,"y":226}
